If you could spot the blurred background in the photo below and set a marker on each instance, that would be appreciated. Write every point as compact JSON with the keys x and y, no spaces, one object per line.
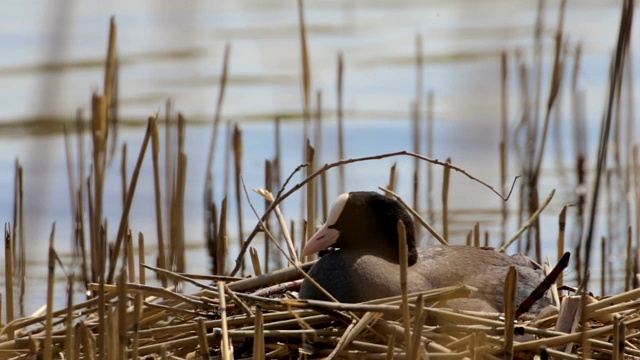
{"x":53,"y":59}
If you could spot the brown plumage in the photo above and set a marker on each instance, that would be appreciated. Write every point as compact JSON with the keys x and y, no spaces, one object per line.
{"x":363,"y":227}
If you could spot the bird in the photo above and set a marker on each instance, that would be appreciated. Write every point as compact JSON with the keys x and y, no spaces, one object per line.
{"x":359,"y":245}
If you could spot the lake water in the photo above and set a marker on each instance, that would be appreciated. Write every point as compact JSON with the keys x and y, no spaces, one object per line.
{"x":53,"y":59}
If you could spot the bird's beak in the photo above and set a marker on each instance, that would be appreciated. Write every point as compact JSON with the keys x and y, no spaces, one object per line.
{"x":321,"y":240}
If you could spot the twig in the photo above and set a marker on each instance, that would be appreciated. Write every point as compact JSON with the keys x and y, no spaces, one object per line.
{"x":529,"y":222}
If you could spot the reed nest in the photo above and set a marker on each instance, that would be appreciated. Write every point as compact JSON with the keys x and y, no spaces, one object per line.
{"x":261,"y":317}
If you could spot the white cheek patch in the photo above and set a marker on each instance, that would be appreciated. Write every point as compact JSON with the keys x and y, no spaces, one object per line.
{"x":336,"y":209}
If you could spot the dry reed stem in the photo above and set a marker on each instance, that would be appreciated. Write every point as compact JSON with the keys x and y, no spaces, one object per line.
{"x":562,"y":223}
{"x":306,"y":77}
{"x":8,"y":282}
{"x":155,"y":156}
{"x":504,"y":137}
{"x":278,"y":276}
{"x":216,"y":118}
{"x":127,"y":207}
{"x":221,"y":243}
{"x":509,"y":311}
{"x":129,"y":259}
{"x":476,"y":234}
{"x":392,"y":178}
{"x":310,"y":196}
{"x":245,"y":309}
{"x":121,"y":311}
{"x":226,"y":346}
{"x":202,"y":340}
{"x":283,"y":224}
{"x":430,"y":144}
{"x":629,"y":259}
{"x":418,"y":322}
{"x":538,"y":54}
{"x":340,"y":115}
{"x":48,"y":341}
{"x":445,"y":201}
{"x":324,"y":190}
{"x":403,"y":256}
{"x":98,"y":120}
{"x":415,"y":118}
{"x":391,"y":347}
{"x":603,"y":265}
{"x":110,"y":71}
{"x":353,"y":330}
{"x":238,"y":157}
{"x":258,"y":338}
{"x":556,"y":80}
{"x":69,"y":344}
{"x":568,"y":320}
{"x":317,"y":130}
{"x":417,"y":121}
{"x":137,"y":312}
{"x":417,"y":216}
{"x":255,"y":261}
{"x":268,"y":185}
{"x":169,"y":154}
{"x":142,"y":278}
{"x":123,"y":173}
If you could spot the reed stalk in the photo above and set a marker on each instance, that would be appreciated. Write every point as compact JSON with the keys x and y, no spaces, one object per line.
{"x":306,"y":79}
{"x":430,"y":144}
{"x":155,"y":157}
{"x":202,"y":340}
{"x":403,"y":256}
{"x":268,"y":185}
{"x":238,"y":157}
{"x":48,"y":340}
{"x":340,"y":115}
{"x":310,"y":196}
{"x":255,"y":261}
{"x":445,"y":201}
{"x":504,"y":138}
{"x":127,"y":207}
{"x":8,"y":279}
{"x":142,"y":278}
{"x":258,"y":338}
{"x":392,"y":178}
{"x":510,"y":289}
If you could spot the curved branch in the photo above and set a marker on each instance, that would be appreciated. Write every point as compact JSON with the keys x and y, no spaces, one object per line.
{"x":281,"y":196}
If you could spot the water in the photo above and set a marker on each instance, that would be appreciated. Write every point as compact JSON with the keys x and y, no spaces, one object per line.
{"x":174,"y":50}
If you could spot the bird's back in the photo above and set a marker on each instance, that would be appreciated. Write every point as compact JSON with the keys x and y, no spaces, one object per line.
{"x":482,"y":268}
